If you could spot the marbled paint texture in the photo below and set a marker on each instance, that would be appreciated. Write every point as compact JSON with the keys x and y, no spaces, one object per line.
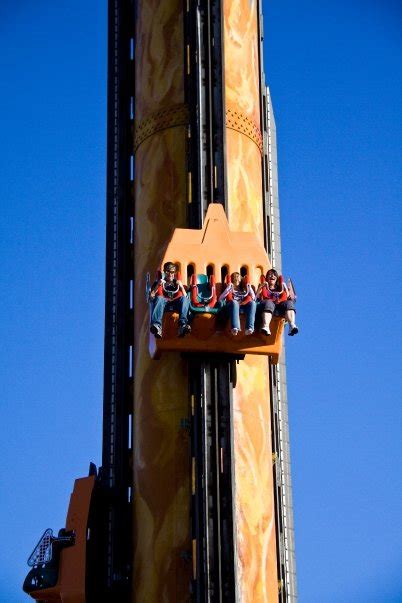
{"x":158,"y":56}
{"x":244,"y":184}
{"x":241,"y":58}
{"x":254,"y":496}
{"x":162,"y":488}
{"x":161,"y":471}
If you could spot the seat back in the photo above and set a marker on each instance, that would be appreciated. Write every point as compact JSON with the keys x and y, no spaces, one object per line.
{"x":281,"y":282}
{"x":160,"y":276}
{"x":203,"y":291}
{"x":246,"y":281}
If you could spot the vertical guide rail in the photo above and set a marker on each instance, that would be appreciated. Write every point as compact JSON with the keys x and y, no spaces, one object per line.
{"x":195,"y":96}
{"x":113,"y":577}
{"x":199,"y":502}
{"x":211,"y":451}
{"x":210,"y":383}
{"x":216,"y":93}
{"x":214,"y":490}
{"x":206,"y":552}
{"x":224,"y":445}
{"x":211,"y":484}
{"x":205,"y":98}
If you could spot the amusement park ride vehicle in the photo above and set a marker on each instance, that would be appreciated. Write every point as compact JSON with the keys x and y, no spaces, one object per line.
{"x":208,"y":256}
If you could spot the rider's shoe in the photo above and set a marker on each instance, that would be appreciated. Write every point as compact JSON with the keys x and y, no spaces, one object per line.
{"x":184,"y":330}
{"x":156,"y":330}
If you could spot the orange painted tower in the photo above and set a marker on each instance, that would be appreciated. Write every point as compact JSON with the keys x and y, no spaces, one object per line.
{"x":193,"y":499}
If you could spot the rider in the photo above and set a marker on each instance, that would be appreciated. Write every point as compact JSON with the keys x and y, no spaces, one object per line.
{"x":273,"y":299}
{"x":168,"y":293}
{"x":240,"y":296}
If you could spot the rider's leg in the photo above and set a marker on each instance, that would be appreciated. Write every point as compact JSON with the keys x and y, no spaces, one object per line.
{"x":234,"y":313}
{"x":268,"y":308}
{"x":266,"y":321}
{"x":290,"y":315}
{"x":158,"y":307}
{"x":182,"y":305}
{"x":250,"y":309}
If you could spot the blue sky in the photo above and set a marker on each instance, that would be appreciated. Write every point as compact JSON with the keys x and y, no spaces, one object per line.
{"x":334,"y":70}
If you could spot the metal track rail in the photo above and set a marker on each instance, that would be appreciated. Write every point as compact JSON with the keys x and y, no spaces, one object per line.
{"x":110,"y":573}
{"x":210,"y":384}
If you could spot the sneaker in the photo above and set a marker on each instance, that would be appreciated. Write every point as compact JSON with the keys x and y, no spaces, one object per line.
{"x":249,"y":331}
{"x":266,"y":331}
{"x":293,"y":330}
{"x":184,"y":330}
{"x":234,"y":331}
{"x":156,"y":330}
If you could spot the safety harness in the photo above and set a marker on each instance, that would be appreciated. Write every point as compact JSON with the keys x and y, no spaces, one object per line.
{"x":277,"y":296}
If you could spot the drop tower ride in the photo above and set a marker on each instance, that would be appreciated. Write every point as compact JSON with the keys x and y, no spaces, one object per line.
{"x":193,"y":498}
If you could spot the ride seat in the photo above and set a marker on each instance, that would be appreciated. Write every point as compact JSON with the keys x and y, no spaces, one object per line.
{"x":203,"y":293}
{"x":246,"y":281}
{"x":160,"y":275}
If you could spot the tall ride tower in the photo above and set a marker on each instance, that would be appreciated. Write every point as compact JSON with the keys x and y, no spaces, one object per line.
{"x":193,"y":499}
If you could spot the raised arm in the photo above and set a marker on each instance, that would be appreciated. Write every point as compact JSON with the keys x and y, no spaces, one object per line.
{"x":181,"y":287}
{"x":259,"y":289}
{"x":225,"y":292}
{"x":154,"y":289}
{"x":250,"y":291}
